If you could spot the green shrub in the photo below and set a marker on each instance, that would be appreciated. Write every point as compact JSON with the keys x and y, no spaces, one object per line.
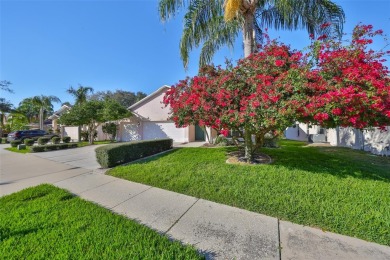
{"x":85,"y":135}
{"x":5,"y":140}
{"x":271,"y":141}
{"x":29,"y":142}
{"x":66,"y":139}
{"x":114,"y":154}
{"x":37,"y":148}
{"x":221,"y":140}
{"x":43,"y":140}
{"x":56,"y":140}
{"x":52,"y":147}
{"x":1,"y":140}
{"x":15,"y":143}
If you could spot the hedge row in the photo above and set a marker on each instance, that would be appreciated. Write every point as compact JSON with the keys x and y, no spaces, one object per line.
{"x":29,"y":142}
{"x":114,"y":154}
{"x":15,"y":143}
{"x":52,"y":147}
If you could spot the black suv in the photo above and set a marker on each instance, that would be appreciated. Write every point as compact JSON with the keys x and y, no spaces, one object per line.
{"x":30,"y":134}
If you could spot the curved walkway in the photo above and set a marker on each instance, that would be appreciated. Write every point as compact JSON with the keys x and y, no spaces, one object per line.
{"x":218,"y":231}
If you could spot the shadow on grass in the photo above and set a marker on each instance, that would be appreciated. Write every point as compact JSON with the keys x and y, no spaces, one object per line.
{"x":152,"y":158}
{"x":6,"y":233}
{"x":338,"y":161}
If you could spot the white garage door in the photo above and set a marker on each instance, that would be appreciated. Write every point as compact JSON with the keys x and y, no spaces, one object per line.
{"x":130,"y":132}
{"x":158,"y":130}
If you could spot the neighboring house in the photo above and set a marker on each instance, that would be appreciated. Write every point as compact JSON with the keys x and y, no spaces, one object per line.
{"x":374,"y":141}
{"x":72,"y":131}
{"x":56,"y":115}
{"x":150,"y":121}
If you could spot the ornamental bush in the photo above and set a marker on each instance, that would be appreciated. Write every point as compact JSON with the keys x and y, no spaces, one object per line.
{"x":52,"y":147}
{"x":66,"y":139}
{"x":56,"y":140}
{"x":37,"y":148}
{"x":15,"y":143}
{"x":29,"y":142}
{"x":43,"y":140}
{"x":114,"y":154}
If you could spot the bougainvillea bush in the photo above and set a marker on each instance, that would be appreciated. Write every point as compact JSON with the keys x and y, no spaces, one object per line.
{"x":349,"y":84}
{"x":254,"y":97}
{"x":271,"y":89}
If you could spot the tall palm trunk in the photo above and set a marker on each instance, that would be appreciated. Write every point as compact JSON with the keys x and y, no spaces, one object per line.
{"x":248,"y":33}
{"x":41,"y":118}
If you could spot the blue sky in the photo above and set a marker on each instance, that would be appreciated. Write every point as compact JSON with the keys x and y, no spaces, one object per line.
{"x":48,"y":46}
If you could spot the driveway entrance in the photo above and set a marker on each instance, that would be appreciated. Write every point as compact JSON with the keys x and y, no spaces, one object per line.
{"x":83,"y":157}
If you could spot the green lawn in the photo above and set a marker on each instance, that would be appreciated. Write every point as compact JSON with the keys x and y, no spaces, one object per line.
{"x":83,"y":143}
{"x":45,"y":222}
{"x":15,"y":149}
{"x":335,"y":189}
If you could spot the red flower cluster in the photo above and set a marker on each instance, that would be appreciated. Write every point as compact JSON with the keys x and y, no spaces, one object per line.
{"x":273,"y":88}
{"x":350,"y":86}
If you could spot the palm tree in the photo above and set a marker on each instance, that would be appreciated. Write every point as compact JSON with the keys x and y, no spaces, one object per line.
{"x":45,"y":104}
{"x":5,"y":107}
{"x":28,"y":108}
{"x":215,"y":23}
{"x":80,"y":94}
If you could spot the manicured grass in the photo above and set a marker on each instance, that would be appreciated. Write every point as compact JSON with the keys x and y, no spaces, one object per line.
{"x":335,"y":189}
{"x":49,"y":223}
{"x":15,"y":149}
{"x":82,"y":144}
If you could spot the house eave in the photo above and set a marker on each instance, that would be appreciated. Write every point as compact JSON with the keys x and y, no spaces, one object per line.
{"x":147,"y":98}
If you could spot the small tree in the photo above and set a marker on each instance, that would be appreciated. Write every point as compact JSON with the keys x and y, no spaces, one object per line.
{"x":111,"y":129}
{"x":17,"y":121}
{"x":93,"y":113}
{"x":272,"y":89}
{"x":253,"y":98}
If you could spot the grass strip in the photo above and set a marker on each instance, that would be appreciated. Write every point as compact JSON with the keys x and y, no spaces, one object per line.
{"x":332,"y":188}
{"x":45,"y":222}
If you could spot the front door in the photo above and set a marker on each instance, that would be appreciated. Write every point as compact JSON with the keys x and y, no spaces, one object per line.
{"x":199,"y":134}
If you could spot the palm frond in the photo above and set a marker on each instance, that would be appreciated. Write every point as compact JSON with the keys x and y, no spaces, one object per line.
{"x":168,"y":8}
{"x":204,"y":23}
{"x":302,"y":14}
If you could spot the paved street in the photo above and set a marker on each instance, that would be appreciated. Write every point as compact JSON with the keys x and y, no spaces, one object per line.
{"x":218,"y":231}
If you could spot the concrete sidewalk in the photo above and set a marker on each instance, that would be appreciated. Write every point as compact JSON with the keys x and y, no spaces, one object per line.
{"x":218,"y":231}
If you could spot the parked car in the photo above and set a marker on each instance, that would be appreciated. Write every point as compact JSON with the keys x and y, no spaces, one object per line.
{"x":31,"y":134}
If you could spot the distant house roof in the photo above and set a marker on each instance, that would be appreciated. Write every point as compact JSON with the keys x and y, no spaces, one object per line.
{"x":149,"y":97}
{"x":59,"y":112}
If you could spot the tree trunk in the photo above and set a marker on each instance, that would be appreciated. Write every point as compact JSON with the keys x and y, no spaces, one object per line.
{"x":249,"y":151}
{"x":91,"y":130}
{"x":207,"y":134}
{"x":41,"y":118}
{"x":249,"y":33}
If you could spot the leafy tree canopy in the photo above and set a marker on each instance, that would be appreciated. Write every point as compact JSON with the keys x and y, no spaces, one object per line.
{"x":125,"y":98}
{"x":94,"y":112}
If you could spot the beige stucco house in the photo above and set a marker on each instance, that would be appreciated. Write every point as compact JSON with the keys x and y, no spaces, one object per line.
{"x":150,"y":120}
{"x":371,"y":140}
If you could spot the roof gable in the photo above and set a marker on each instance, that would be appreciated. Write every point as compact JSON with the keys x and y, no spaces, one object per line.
{"x":151,"y":107}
